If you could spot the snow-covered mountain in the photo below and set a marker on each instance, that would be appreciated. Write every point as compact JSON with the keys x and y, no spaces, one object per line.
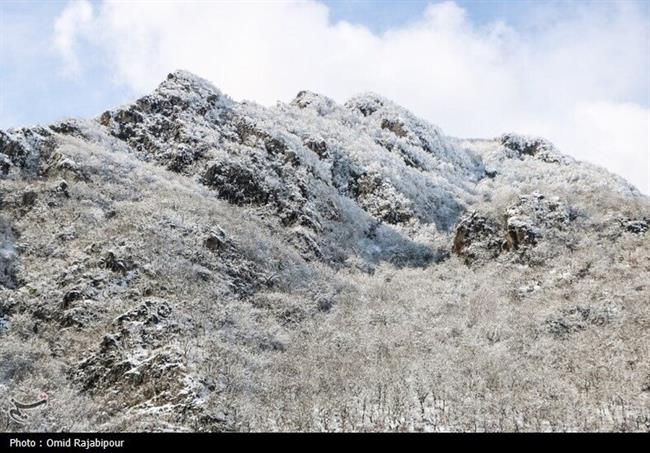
{"x":188,"y":262}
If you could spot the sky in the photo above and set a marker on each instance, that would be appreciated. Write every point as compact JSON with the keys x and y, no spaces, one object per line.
{"x":575,"y":72}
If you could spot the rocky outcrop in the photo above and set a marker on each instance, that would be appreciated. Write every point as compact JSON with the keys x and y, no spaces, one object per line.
{"x":521,"y":146}
{"x":636,"y":226}
{"x":382,"y":201}
{"x":134,"y":358}
{"x":576,"y":319}
{"x":25,"y":151}
{"x":320,"y":104}
{"x":531,"y":216}
{"x":176,"y":125}
{"x":477,"y":237}
{"x":524,"y":224}
{"x":8,"y":256}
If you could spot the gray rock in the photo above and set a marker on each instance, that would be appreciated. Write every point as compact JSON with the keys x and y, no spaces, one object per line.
{"x":8,"y":256}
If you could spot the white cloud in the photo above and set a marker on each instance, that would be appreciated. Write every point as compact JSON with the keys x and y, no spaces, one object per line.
{"x":617,"y":133}
{"x":580,"y":79}
{"x":72,"y":22}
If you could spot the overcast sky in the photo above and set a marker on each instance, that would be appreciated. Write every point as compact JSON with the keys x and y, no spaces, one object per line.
{"x":576,"y":72}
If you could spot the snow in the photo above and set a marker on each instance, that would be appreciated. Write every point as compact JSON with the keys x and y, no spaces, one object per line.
{"x":253,"y":227}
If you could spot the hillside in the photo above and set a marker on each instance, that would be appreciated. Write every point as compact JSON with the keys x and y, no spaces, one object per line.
{"x":188,"y":262}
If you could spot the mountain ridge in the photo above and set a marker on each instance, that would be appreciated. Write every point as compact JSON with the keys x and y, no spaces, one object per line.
{"x":189,"y":262}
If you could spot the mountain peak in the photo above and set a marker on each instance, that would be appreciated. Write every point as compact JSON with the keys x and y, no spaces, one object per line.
{"x":185,"y":84}
{"x":314,"y":101}
{"x":186,"y":78}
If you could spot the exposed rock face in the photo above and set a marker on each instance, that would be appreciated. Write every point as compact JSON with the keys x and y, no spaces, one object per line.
{"x":478,"y":236}
{"x":576,"y":319}
{"x":539,"y":148}
{"x":8,"y":258}
{"x":638,"y":226}
{"x":189,"y":262}
{"x":530,"y":216}
{"x":156,"y":375}
{"x":525,"y":223}
{"x":25,"y":150}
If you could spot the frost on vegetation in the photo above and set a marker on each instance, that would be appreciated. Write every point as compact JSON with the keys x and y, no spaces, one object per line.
{"x":521,"y":146}
{"x":188,"y":262}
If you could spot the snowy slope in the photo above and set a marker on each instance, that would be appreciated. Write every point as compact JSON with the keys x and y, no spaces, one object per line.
{"x":180,"y":260}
